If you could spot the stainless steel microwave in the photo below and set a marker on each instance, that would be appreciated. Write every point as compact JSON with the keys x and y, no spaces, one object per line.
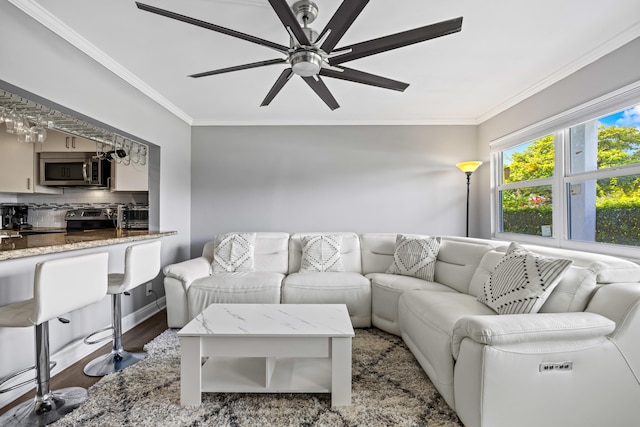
{"x":74,"y":169}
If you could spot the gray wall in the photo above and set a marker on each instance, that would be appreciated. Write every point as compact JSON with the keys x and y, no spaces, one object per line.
{"x":36,"y":60}
{"x":329,"y":178}
{"x":613,"y":71}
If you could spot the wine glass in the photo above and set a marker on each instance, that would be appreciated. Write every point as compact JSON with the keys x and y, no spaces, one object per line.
{"x":38,"y":132}
{"x":21,"y":125}
{"x":143,"y":155}
{"x":10,"y":120}
{"x":25,"y":135}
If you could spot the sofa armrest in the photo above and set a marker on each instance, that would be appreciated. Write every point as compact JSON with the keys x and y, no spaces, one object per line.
{"x":188,"y":271}
{"x":520,"y":328}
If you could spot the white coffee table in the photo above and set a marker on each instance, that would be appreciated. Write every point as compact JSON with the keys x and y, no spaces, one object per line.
{"x":267,"y":348}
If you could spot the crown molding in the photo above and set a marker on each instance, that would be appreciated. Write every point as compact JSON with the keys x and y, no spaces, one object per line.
{"x":423,"y":122}
{"x":44,"y":17}
{"x":603,"y":49}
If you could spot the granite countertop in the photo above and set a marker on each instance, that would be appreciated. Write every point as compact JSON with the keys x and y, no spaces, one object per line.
{"x":14,"y":245}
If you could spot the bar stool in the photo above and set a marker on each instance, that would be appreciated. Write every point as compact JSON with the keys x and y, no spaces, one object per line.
{"x":60,"y":286}
{"x":141,"y":265}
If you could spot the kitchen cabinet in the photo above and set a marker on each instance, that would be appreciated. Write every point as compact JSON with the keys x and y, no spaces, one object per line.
{"x":61,"y":142}
{"x":131,"y":177}
{"x":18,"y":166}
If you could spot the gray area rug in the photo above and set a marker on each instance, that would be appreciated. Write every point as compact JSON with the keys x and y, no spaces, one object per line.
{"x":389,"y":389}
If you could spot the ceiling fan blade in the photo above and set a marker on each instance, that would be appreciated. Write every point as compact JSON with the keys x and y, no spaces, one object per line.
{"x":395,"y":41}
{"x":212,"y":27}
{"x":282,"y":80}
{"x":356,"y":76}
{"x":239,"y":67}
{"x":322,"y":91}
{"x":340,"y":22}
{"x":288,"y":19}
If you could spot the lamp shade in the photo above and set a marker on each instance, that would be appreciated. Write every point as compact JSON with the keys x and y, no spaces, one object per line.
{"x":468,"y":167}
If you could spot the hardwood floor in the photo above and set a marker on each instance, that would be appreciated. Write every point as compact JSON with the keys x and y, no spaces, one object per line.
{"x":73,"y":376}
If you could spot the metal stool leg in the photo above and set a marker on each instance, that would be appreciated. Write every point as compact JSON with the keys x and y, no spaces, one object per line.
{"x":47,"y":407}
{"x":119,"y":358}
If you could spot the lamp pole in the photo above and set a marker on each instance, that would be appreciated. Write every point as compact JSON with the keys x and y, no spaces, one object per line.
{"x":468,"y":184}
{"x":468,"y":168}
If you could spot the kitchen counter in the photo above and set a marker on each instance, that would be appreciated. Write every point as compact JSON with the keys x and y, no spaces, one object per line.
{"x":15,"y":245}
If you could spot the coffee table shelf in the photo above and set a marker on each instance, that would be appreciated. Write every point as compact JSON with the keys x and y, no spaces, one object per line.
{"x":249,"y":375}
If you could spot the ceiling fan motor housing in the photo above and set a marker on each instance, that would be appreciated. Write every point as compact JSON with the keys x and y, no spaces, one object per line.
{"x":306,"y":63}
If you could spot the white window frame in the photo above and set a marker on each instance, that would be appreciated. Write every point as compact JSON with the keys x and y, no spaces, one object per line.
{"x":559,"y":126}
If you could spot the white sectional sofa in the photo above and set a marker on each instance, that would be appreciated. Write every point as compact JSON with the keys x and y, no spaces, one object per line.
{"x":574,"y":363}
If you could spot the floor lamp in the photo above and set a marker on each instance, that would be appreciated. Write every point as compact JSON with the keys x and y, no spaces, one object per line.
{"x":468,"y":168}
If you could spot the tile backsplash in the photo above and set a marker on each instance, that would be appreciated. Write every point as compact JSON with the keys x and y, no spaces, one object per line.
{"x":48,"y":210}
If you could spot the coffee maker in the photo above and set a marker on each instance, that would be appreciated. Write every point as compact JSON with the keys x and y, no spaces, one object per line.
{"x":7,"y":213}
{"x":15,"y":217}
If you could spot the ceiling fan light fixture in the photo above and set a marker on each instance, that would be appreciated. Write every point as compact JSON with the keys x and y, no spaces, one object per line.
{"x":306,"y":63}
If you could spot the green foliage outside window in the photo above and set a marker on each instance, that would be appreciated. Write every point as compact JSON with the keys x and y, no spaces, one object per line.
{"x":617,"y":198}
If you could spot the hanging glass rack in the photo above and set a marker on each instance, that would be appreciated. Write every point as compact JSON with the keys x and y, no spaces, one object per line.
{"x":126,"y":150}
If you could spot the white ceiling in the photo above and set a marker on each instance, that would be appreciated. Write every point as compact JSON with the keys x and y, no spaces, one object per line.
{"x":507,"y":50}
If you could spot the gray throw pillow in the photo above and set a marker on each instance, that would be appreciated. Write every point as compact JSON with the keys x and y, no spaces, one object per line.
{"x":321,"y":253}
{"x":415,"y":256}
{"x":235,"y":253}
{"x":522,"y":281}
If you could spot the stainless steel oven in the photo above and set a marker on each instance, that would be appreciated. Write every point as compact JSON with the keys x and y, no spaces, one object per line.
{"x":133,"y":216}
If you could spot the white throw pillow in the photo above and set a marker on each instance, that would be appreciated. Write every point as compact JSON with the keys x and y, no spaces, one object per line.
{"x":415,"y":256}
{"x":522,"y":281}
{"x":321,"y":253}
{"x":234,"y":253}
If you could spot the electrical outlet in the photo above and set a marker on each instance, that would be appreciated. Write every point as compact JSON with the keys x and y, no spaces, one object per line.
{"x":149,"y":288}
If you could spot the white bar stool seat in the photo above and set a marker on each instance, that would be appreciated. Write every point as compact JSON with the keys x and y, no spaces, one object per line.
{"x":141,"y":265}
{"x":60,"y":286}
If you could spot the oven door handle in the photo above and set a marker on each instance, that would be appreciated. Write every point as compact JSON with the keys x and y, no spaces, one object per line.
{"x":84,"y":171}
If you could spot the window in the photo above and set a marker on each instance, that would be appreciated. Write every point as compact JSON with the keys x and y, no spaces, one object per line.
{"x":605,"y":207}
{"x":526,"y":196}
{"x":573,"y":181}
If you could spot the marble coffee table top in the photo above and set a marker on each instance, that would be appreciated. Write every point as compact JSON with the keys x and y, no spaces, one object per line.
{"x":271,"y":320}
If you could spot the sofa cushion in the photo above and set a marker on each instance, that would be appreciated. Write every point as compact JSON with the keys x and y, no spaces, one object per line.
{"x":405,"y":283}
{"x":352,"y":289}
{"x":377,"y":251}
{"x":321,"y":253}
{"x":427,"y":319}
{"x":385,"y":292}
{"x":240,"y":287}
{"x":458,"y":259}
{"x":234,"y":253}
{"x":573,"y":293}
{"x":522,"y":281}
{"x":415,"y":256}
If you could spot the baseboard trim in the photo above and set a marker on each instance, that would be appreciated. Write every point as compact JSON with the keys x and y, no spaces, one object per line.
{"x":77,"y":350}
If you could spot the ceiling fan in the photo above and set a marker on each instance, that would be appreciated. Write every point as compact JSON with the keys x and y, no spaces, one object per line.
{"x":311,"y":54}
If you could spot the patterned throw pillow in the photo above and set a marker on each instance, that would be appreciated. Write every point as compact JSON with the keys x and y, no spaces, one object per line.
{"x":234,"y":253}
{"x":522,"y":281}
{"x":321,"y":253}
{"x":415,"y":256}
